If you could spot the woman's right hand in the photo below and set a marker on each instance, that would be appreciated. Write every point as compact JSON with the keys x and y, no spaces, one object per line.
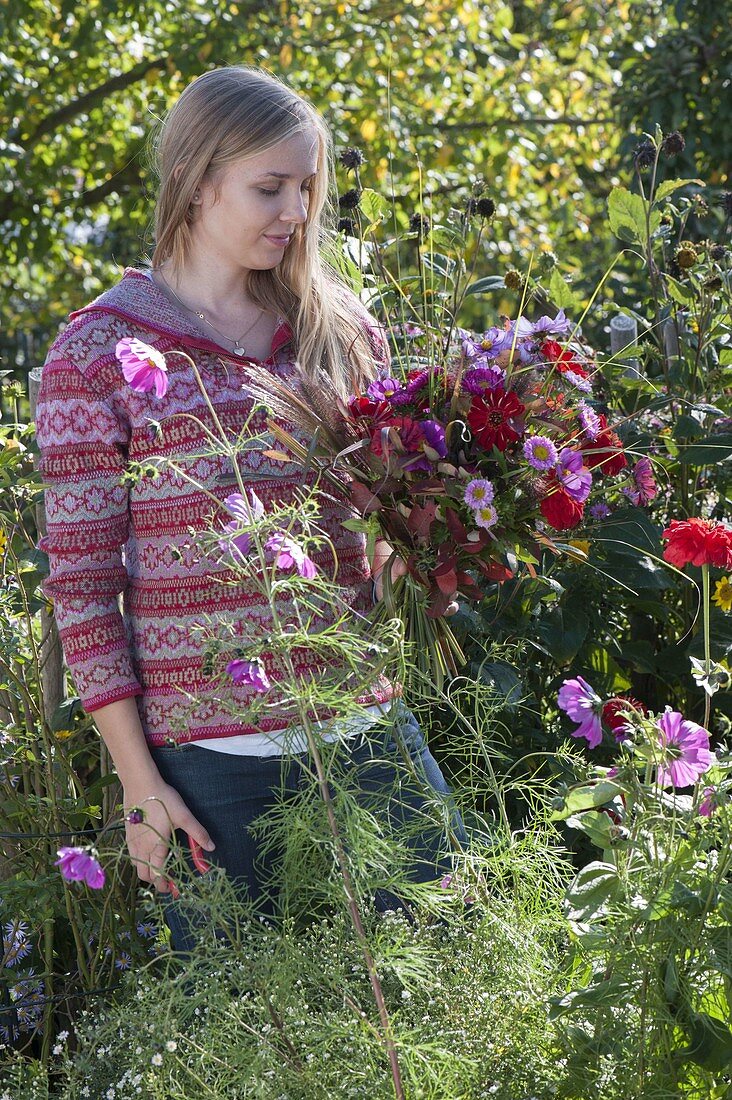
{"x":149,"y":841}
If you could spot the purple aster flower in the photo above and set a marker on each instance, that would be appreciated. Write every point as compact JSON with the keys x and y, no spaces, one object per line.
{"x":487,"y":346}
{"x":249,"y":674}
{"x":123,"y":960}
{"x":244,"y":512}
{"x":290,"y":554}
{"x":383,"y":389}
{"x":578,"y":381}
{"x":16,"y":944}
{"x":479,"y":379}
{"x":541,"y":452}
{"x":685,"y":750}
{"x":576,"y":478}
{"x":479,"y":492}
{"x":79,"y":865}
{"x":559,"y":325}
{"x":600,"y":510}
{"x":434,"y":438}
{"x":135,"y":816}
{"x":485,"y":516}
{"x":589,"y":420}
{"x":583,"y":705}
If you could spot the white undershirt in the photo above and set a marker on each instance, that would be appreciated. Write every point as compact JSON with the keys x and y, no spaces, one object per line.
{"x":293,"y":739}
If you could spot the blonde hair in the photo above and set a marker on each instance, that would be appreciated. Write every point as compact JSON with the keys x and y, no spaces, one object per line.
{"x":230,"y":113}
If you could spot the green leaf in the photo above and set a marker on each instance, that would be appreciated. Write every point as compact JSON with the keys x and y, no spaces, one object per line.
{"x":715,"y":448}
{"x":562,"y":635}
{"x":678,"y":291}
{"x":561,"y":293}
{"x":592,"y":889}
{"x":627,"y":215}
{"x":688,"y":427}
{"x":483,"y":286}
{"x":373,"y":205}
{"x":669,"y":186}
{"x":587,"y":796}
{"x":725,"y":357}
{"x":596,"y":826}
{"x":611,"y":991}
{"x":710,"y":1043}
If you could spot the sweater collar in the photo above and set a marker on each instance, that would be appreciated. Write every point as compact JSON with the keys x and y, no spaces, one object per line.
{"x":137,"y":299}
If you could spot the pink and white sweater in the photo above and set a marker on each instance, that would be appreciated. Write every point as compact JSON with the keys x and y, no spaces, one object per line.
{"x":105,"y":539}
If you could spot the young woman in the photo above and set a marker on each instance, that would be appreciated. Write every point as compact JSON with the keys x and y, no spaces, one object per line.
{"x":236,"y":277}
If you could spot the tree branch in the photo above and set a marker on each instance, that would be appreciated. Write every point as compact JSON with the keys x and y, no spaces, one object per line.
{"x":57,"y":118}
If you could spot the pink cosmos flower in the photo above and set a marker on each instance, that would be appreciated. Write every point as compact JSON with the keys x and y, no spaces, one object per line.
{"x":583,"y":705}
{"x":290,"y":555}
{"x":685,"y":749}
{"x":144,"y":367}
{"x":576,"y":478}
{"x":645,"y":483}
{"x":249,"y":673}
{"x":708,"y":804}
{"x":79,"y":865}
{"x":244,"y":512}
{"x":478,"y":492}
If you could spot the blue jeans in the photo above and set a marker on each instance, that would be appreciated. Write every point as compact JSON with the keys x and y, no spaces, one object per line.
{"x":227,"y":793}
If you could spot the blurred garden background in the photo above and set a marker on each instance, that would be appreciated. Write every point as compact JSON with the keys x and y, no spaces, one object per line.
{"x":600,"y":134}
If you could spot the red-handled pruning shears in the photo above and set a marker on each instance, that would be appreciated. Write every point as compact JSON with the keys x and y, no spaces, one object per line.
{"x":199,"y":862}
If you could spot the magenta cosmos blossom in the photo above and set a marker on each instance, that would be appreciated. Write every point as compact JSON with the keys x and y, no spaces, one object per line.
{"x":79,"y":865}
{"x":583,"y":705}
{"x":249,"y":674}
{"x":645,"y":489}
{"x":290,"y":554}
{"x":684,"y":748}
{"x":573,"y":476}
{"x":144,"y":367}
{"x":244,"y":512}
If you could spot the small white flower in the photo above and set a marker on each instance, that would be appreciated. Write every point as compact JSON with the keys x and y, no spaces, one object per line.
{"x":171,"y":1045}
{"x":157,"y":1059}
{"x":406,"y":995}
{"x":62,"y":1036}
{"x":58,"y":1049}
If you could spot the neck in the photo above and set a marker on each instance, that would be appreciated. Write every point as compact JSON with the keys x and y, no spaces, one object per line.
{"x":208,"y":284}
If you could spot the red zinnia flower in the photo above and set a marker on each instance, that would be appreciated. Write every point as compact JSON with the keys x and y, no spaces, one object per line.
{"x":490,"y":418}
{"x":605,"y":451}
{"x":560,"y":511}
{"x":613,"y":718}
{"x":365,"y":406}
{"x":698,"y":542}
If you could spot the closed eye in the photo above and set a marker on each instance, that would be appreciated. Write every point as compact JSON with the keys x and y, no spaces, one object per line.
{"x":276,"y":191}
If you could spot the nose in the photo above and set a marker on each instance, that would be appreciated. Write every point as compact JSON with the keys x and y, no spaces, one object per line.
{"x":295,"y":211}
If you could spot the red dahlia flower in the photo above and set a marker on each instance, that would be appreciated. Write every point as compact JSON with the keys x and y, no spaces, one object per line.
{"x":698,"y":542}
{"x":605,"y":451}
{"x":560,"y":511}
{"x":490,"y":417}
{"x":614,"y":719}
{"x":563,"y":359}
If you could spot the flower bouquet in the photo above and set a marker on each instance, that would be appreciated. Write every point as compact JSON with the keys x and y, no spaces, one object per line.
{"x":464,"y":462}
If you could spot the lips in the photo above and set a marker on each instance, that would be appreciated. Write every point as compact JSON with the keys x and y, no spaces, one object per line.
{"x":280,"y":241}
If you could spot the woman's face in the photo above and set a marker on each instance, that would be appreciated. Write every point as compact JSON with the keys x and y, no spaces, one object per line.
{"x":248,"y":219}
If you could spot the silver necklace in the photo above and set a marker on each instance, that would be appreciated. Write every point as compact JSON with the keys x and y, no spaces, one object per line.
{"x":238,"y":348}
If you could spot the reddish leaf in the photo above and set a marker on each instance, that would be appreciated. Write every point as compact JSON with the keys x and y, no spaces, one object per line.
{"x":364,"y":499}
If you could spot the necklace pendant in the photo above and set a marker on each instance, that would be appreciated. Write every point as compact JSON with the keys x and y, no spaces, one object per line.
{"x":239,"y":351}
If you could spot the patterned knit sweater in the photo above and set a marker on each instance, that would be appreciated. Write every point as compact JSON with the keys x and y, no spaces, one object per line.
{"x":105,"y":539}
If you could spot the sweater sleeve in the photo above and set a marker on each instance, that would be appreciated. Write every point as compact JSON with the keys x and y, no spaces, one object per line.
{"x":82,"y":441}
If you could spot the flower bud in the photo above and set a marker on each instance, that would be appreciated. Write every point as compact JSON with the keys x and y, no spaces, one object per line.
{"x":349,"y":200}
{"x":673,"y":144}
{"x":352,"y":158}
{"x":686,"y":255}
